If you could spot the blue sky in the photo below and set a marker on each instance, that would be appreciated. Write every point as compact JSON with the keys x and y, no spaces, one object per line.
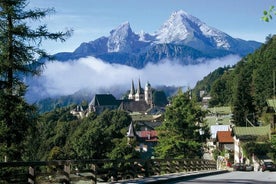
{"x":91,"y":19}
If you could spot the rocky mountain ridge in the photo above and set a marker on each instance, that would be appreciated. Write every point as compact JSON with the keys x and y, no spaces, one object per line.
{"x":182,"y":37}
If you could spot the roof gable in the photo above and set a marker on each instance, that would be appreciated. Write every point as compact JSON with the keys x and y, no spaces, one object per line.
{"x":148,"y":135}
{"x":225,"y":137}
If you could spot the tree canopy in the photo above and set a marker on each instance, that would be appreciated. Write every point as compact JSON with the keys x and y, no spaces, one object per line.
{"x":19,"y":54}
{"x":183,"y":131}
{"x":94,"y":137}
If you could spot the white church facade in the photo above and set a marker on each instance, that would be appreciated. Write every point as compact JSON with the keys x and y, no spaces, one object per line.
{"x":141,"y":94}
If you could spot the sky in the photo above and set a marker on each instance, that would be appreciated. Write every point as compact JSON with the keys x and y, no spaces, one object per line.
{"x":91,"y":19}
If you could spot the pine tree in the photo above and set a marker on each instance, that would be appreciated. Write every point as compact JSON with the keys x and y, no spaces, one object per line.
{"x":183,"y":131}
{"x":243,"y":102}
{"x":19,"y":56}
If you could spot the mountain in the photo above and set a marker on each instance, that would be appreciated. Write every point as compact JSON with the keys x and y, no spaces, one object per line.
{"x":185,"y":29}
{"x":182,"y":37}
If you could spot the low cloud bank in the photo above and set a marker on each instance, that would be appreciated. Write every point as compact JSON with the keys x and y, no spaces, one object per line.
{"x":64,"y":78}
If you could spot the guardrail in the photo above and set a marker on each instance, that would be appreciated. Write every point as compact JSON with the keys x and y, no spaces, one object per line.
{"x":66,"y":171}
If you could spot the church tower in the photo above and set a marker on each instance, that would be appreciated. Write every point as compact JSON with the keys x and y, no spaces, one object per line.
{"x":139,"y":96}
{"x":131,"y":94}
{"x":148,"y":94}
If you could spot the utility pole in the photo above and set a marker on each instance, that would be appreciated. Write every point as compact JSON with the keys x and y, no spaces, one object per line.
{"x":274,"y":94}
{"x":274,"y":84}
{"x":274,"y":100}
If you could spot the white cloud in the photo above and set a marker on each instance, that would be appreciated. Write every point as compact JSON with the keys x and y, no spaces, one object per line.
{"x":173,"y":74}
{"x":64,"y":78}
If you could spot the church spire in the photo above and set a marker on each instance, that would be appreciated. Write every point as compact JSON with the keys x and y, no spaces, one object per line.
{"x":131,"y":134}
{"x":139,"y":90}
{"x":132,"y":90}
{"x":131,"y":94}
{"x":139,"y":96}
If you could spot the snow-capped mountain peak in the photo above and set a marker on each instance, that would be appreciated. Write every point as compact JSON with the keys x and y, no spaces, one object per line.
{"x":124,"y":40}
{"x":175,"y":29}
{"x":119,"y":37}
{"x":123,"y":28}
{"x":183,"y":28}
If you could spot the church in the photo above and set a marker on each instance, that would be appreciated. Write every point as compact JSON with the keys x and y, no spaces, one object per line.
{"x":140,"y":94}
{"x":138,"y":100}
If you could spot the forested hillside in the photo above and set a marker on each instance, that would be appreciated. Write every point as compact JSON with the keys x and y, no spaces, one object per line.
{"x":247,"y":85}
{"x":206,"y":83}
{"x":59,"y":135}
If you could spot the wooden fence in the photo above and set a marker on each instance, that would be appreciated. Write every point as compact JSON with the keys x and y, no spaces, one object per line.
{"x":70,"y":171}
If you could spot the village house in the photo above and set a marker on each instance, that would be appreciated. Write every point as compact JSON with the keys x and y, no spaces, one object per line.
{"x":145,"y":140}
{"x":246,"y":134}
{"x":225,"y":141}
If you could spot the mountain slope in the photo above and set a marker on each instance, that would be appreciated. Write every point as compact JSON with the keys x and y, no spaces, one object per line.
{"x":181,"y":37}
{"x":259,"y":68}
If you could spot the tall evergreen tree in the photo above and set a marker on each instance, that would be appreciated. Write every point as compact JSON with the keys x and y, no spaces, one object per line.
{"x":243,"y":102}
{"x":183,"y":131}
{"x":218,"y":93}
{"x":19,"y":53}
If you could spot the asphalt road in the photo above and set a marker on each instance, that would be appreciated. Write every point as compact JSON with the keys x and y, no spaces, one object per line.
{"x":236,"y":177}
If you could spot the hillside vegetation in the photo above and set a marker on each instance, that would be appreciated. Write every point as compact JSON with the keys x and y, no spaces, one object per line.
{"x":247,"y":85}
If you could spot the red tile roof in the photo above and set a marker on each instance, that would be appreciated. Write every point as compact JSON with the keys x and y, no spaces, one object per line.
{"x":148,"y":135}
{"x":224,"y":137}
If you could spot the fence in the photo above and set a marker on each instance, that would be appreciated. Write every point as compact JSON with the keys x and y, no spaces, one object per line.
{"x":70,"y":171}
